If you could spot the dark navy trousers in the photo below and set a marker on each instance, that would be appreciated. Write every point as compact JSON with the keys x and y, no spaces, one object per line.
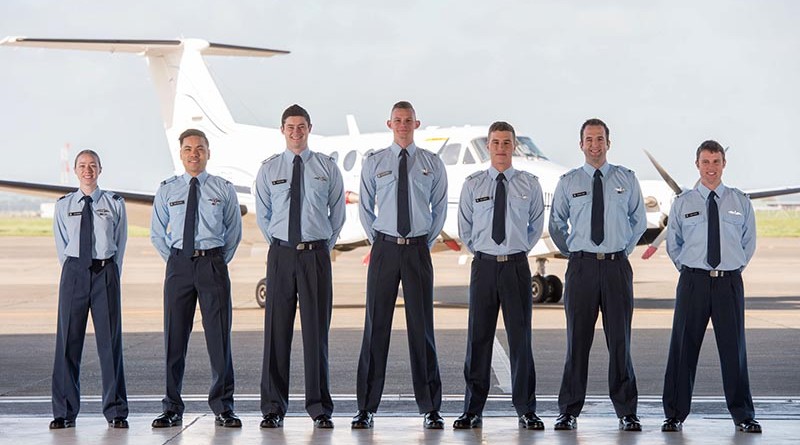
{"x":83,"y":290}
{"x":493,"y":286}
{"x":390,"y":264}
{"x":594,"y":285}
{"x":189,"y":280}
{"x":291,"y":275}
{"x":700,"y":297}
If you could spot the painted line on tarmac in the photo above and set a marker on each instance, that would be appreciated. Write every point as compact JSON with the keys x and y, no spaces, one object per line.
{"x":395,"y":398}
{"x":501,"y":366}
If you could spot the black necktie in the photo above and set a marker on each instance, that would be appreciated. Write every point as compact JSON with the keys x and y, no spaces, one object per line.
{"x":403,"y":214}
{"x":87,"y":227}
{"x":295,"y":202}
{"x":499,"y":217}
{"x":713,"y":231}
{"x":190,"y":221}
{"x":598,"y":208}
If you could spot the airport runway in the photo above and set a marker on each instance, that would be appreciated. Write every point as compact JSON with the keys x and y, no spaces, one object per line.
{"x":29,"y":275}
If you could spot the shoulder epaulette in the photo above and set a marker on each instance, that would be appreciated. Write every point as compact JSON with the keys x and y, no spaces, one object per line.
{"x":377,"y":151}
{"x":475,"y":175}
{"x":116,"y":197}
{"x":683,"y":193}
{"x":59,"y":199}
{"x":270,"y":158}
{"x":168,"y":180}
{"x":529,"y":174}
{"x":570,"y":172}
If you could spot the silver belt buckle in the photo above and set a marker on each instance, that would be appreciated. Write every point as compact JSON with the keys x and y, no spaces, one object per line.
{"x":715,"y":273}
{"x":601,"y":256}
{"x":502,"y":258}
{"x":402,"y":241}
{"x":301,"y":246}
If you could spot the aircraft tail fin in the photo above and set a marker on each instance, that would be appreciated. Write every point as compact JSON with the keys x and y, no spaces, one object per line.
{"x":188,"y":95}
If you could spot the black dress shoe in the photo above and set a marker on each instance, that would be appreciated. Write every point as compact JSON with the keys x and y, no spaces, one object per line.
{"x":672,"y":425}
{"x":630,"y":423}
{"x":362,"y":420}
{"x":566,"y":422}
{"x":272,"y":420}
{"x":433,"y":421}
{"x":118,"y":422}
{"x":168,"y":419}
{"x":61,"y":423}
{"x":468,"y":421}
{"x":323,"y":421}
{"x":530,"y":421}
{"x":749,"y":426}
{"x":228,"y":419}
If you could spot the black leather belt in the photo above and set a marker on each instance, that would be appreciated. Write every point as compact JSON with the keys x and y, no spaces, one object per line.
{"x":197,"y":252}
{"x":97,"y":264}
{"x":711,"y":273}
{"x":519,"y":256}
{"x":311,"y":245}
{"x":599,"y":255}
{"x":402,"y":241}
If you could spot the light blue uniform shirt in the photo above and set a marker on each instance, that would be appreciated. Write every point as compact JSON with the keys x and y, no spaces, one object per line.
{"x":687,"y":230}
{"x":219,"y":222}
{"x":625,"y":217}
{"x":524,"y":212}
{"x":110,"y":226}
{"x":427,"y":193}
{"x":322,"y":192}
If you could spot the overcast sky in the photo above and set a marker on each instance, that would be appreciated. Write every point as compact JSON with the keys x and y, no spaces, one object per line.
{"x":664,"y":75}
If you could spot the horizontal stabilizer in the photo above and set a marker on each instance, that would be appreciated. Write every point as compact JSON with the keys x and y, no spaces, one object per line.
{"x":141,"y":46}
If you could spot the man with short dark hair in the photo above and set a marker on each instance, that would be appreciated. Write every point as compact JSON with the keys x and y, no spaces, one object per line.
{"x":91,"y":228}
{"x":598,"y":215}
{"x":500,"y":219}
{"x":196,"y":227}
{"x":408,"y":186}
{"x":300,"y":211}
{"x":711,"y":237}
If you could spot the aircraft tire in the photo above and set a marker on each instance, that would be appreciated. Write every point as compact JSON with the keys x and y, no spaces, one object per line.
{"x":555,"y":288}
{"x":261,"y":292}
{"x":538,"y":289}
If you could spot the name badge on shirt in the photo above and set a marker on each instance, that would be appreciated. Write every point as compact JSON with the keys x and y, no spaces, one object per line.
{"x":278,"y":181}
{"x":176,"y":203}
{"x":579,"y":194}
{"x":689,"y":215}
{"x":382,"y":174}
{"x":74,"y":213}
{"x":485,"y":198}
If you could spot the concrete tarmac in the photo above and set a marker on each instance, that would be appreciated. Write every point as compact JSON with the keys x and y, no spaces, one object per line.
{"x":29,"y":275}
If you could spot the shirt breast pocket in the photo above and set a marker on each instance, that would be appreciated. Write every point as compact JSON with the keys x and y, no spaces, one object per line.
{"x":384,"y":181}
{"x":735,"y":220}
{"x":579,"y":202}
{"x":423,"y":182}
{"x":520,"y":205}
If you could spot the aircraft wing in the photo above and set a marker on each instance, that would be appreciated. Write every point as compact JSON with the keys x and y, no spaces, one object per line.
{"x":768,"y":193}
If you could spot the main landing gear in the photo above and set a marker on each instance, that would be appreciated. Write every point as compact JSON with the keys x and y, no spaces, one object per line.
{"x":545,"y":288}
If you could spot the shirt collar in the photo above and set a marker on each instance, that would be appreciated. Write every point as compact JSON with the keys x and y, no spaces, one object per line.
{"x":96,"y":194}
{"x":704,"y":191}
{"x":201,"y":178}
{"x":396,"y":149}
{"x":288,"y":156}
{"x":509,"y":173}
{"x":589,"y":169}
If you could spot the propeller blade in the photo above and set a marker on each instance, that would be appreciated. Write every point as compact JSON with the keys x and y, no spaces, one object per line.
{"x":667,"y":178}
{"x":651,"y":249}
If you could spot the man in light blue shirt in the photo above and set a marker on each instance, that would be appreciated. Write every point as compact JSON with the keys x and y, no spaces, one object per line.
{"x":196,"y":227}
{"x":500,"y":218}
{"x":300,"y":210}
{"x":91,"y":229}
{"x":402,"y":207}
{"x":597,"y":217}
{"x":711,"y":236}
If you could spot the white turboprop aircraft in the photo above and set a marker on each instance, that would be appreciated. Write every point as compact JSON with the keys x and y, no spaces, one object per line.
{"x":189,"y":98}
